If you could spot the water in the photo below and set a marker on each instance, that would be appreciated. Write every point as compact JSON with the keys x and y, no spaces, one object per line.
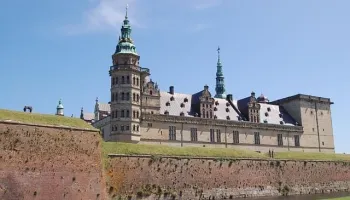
{"x":305,"y":197}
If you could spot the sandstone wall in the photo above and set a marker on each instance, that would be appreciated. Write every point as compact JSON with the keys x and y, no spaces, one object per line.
{"x":177,"y":178}
{"x":44,"y":163}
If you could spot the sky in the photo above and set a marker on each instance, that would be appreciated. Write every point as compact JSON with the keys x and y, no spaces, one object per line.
{"x":62,"y":49}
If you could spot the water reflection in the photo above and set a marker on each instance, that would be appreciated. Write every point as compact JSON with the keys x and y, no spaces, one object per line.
{"x":305,"y":197}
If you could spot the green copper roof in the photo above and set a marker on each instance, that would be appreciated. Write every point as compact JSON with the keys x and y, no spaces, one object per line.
{"x":125,"y":43}
{"x":60,"y":106}
{"x":220,"y":84}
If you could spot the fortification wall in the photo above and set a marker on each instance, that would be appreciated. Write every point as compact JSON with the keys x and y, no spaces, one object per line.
{"x":50,"y":163}
{"x":199,"y":178}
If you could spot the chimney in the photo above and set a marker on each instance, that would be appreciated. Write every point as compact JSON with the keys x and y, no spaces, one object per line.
{"x":171,"y":89}
{"x":206,"y":87}
{"x":229,"y":97}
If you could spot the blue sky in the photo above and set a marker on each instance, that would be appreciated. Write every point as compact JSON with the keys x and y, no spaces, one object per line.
{"x":62,"y":49}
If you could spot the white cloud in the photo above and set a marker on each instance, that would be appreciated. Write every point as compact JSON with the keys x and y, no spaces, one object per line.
{"x":103,"y":15}
{"x":205,"y":4}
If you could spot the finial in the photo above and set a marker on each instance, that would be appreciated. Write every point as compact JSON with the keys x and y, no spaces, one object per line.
{"x":218,"y":52}
{"x":126,"y":13}
{"x":96,"y":99}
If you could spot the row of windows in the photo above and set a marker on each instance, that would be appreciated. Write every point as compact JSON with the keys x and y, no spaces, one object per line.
{"x":125,"y":80}
{"x":125,"y":96}
{"x":126,"y":128}
{"x":213,"y":139}
{"x":125,"y":114}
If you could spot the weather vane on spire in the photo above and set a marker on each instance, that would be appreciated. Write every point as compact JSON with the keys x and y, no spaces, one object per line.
{"x":218,"y":52}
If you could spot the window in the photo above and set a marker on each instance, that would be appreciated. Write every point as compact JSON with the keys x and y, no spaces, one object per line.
{"x":127,"y":113}
{"x":256,"y":138}
{"x":112,"y":114}
{"x":172,"y":133}
{"x":268,"y":109}
{"x":133,"y":97}
{"x":235,"y":137}
{"x":166,"y":112}
{"x":182,"y":105}
{"x":123,"y":96}
{"x":182,"y":114}
{"x":134,"y":127}
{"x":172,"y":98}
{"x":127,"y":128}
{"x":150,"y":92}
{"x":116,"y":114}
{"x":116,"y":97}
{"x":116,"y":80}
{"x":218,"y":135}
{"x":133,"y":81}
{"x":137,"y":97}
{"x":211,"y":114}
{"x":194,"y":134}
{"x":122,"y":128}
{"x":215,"y":109}
{"x":266,"y":114}
{"x":137,"y":114}
{"x":123,"y":80}
{"x":212,"y":136}
{"x":113,"y":81}
{"x":128,"y":96}
{"x":137,"y":81}
{"x":279,"y":140}
{"x":133,"y":114}
{"x":167,"y":104}
{"x":185,"y":100}
{"x":207,"y":114}
{"x":122,"y":114}
{"x":297,"y":140}
{"x":149,"y":124}
{"x":127,"y":80}
{"x":112,"y":96}
{"x":227,"y":110}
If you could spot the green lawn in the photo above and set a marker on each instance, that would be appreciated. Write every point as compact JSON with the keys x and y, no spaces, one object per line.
{"x":312,"y":156}
{"x":340,"y":198}
{"x":43,"y":119}
{"x":143,"y":149}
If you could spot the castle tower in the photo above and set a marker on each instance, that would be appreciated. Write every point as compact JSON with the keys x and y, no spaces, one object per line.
{"x":220,"y":84}
{"x":126,"y":82}
{"x":60,"y":108}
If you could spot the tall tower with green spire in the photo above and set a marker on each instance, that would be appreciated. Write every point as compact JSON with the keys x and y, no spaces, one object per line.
{"x":127,"y":79}
{"x":220,"y":84}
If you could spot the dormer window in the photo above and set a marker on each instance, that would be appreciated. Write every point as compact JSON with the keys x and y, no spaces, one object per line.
{"x":265,"y":121}
{"x":150,"y":92}
{"x":216,"y":103}
{"x":281,"y":122}
{"x":182,"y":105}
{"x":266,"y":114}
{"x":186,"y":100}
{"x":215,"y":109}
{"x":172,"y":98}
{"x":227,"y":110}
{"x":166,"y":112}
{"x":227,"y":104}
{"x":281,"y":115}
{"x":268,"y":109}
{"x":167,"y":103}
{"x":215,"y":117}
{"x":182,"y":114}
{"x":228,"y":117}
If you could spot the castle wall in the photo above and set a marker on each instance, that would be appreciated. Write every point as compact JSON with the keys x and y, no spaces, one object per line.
{"x":140,"y":177}
{"x":155,"y":130}
{"x":41,"y":162}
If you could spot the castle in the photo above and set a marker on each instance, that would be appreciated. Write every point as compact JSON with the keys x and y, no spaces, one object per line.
{"x":139,"y":112}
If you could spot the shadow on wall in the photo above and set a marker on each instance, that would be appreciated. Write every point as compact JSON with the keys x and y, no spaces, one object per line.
{"x":9,"y":189}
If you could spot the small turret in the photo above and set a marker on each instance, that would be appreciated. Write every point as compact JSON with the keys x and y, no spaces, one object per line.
{"x":82,"y":113}
{"x":60,"y":108}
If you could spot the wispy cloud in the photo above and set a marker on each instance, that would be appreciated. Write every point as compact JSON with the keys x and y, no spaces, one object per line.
{"x":103,"y":15}
{"x":200,"y":27}
{"x":205,"y":4}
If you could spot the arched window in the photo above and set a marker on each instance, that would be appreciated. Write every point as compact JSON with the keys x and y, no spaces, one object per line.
{"x":122,"y":114}
{"x":207,"y":114}
{"x":127,"y":80}
{"x":133,"y":97}
{"x":127,"y":114}
{"x":137,"y":114}
{"x":134,"y":114}
{"x":211,"y":114}
{"x":137,"y":128}
{"x":134,"y":127}
{"x":133,"y":80}
{"x":123,"y":81}
{"x":123,"y":98}
{"x":137,"y":81}
{"x":138,"y":98}
{"x":127,"y":96}
{"x":203,"y":113}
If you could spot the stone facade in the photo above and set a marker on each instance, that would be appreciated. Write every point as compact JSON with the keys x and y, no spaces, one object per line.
{"x":140,"y":113}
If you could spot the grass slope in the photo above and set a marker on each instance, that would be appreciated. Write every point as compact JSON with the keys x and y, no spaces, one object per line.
{"x":143,"y":149}
{"x":43,"y":119}
{"x":341,"y":198}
